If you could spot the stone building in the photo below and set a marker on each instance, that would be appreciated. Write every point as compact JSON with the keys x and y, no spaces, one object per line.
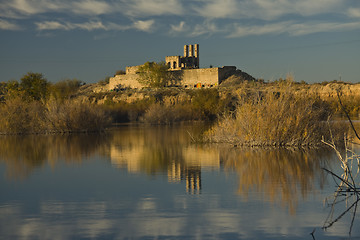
{"x":190,"y":60}
{"x":186,"y":67}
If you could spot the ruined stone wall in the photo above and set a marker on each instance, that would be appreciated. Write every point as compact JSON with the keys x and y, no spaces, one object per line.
{"x":202,"y":77}
{"x":132,"y":70}
{"x":209,"y":77}
{"x":174,"y":62}
{"x":124,"y":81}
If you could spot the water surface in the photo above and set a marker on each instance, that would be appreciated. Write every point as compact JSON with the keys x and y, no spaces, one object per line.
{"x":141,"y":182}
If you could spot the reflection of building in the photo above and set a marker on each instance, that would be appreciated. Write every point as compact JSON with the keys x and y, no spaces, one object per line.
{"x":193,"y":180}
{"x":186,"y":166}
{"x":178,"y":172}
{"x":126,"y":158}
{"x":194,"y":160}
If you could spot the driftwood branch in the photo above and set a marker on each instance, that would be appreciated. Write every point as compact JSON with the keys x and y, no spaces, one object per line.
{"x":347,"y":115}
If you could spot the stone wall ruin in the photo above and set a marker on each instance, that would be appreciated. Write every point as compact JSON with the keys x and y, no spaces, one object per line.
{"x":187,"y":66}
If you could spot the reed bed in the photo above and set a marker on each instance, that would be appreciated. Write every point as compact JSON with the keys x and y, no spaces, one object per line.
{"x":29,"y":117}
{"x":276,"y":119}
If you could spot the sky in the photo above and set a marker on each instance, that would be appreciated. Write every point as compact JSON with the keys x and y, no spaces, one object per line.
{"x":313,"y":40}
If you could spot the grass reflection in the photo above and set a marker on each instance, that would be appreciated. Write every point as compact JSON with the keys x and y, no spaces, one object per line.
{"x":23,"y":154}
{"x":280,"y":174}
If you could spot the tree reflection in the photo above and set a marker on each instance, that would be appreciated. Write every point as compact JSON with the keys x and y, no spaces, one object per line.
{"x":23,"y":154}
{"x":280,"y":174}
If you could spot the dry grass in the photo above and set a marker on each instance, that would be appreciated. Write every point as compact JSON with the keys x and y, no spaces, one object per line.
{"x":275,"y":119}
{"x":161,"y":114}
{"x":73,"y":116}
{"x":23,"y":117}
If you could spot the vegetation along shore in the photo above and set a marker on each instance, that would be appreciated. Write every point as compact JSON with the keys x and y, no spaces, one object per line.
{"x":243,"y":112}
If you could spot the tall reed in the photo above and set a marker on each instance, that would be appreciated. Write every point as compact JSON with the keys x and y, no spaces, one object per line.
{"x":27,"y":117}
{"x":274,"y":119}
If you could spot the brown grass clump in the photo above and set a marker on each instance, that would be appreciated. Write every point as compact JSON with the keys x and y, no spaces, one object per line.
{"x":73,"y":116}
{"x":275,"y":119}
{"x":28,"y":117}
{"x":19,"y":116}
{"x":162,"y":114}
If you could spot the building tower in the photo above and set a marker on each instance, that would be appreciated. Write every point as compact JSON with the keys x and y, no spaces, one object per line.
{"x":197,"y":62}
{"x":186,"y":50}
{"x":188,"y":61}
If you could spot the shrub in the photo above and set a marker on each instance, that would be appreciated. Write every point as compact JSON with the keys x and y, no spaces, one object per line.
{"x":35,"y":86}
{"x":161,"y":114}
{"x":19,"y":116}
{"x":206,"y":102}
{"x":72,"y":116}
{"x":269,"y":119}
{"x":156,"y":75}
{"x":65,"y":89}
{"x":120,"y":72}
{"x":22,"y":117}
{"x":104,"y":81}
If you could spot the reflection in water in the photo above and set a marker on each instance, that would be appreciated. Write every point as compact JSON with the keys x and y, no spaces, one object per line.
{"x":281,"y":175}
{"x":347,"y":190}
{"x":93,"y":200}
{"x":23,"y":154}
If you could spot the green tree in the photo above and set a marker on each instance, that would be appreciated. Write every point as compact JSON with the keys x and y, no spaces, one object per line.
{"x":35,"y":86}
{"x":65,"y":89}
{"x":12,"y":89}
{"x":155,"y":75}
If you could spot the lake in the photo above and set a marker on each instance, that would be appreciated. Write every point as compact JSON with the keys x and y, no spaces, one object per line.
{"x":153,"y":182}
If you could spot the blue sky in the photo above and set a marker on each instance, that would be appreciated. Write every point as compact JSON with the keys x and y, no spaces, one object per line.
{"x":315,"y":40}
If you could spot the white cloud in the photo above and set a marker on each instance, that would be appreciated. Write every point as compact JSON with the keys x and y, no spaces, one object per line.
{"x":265,"y":9}
{"x":91,"y":7}
{"x":31,"y":7}
{"x":274,"y":28}
{"x":292,"y":28}
{"x":180,"y":28}
{"x":146,"y":26}
{"x":210,"y":16}
{"x":52,"y":25}
{"x":217,"y":9}
{"x":55,"y":25}
{"x":140,"y":8}
{"x":6,"y":25}
{"x":310,"y":27}
{"x":206,"y":28}
{"x":354,"y":12}
{"x":23,"y":8}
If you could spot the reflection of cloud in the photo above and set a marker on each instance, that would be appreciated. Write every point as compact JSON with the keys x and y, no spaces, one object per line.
{"x":147,"y":217}
{"x":147,"y":204}
{"x":94,"y":228}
